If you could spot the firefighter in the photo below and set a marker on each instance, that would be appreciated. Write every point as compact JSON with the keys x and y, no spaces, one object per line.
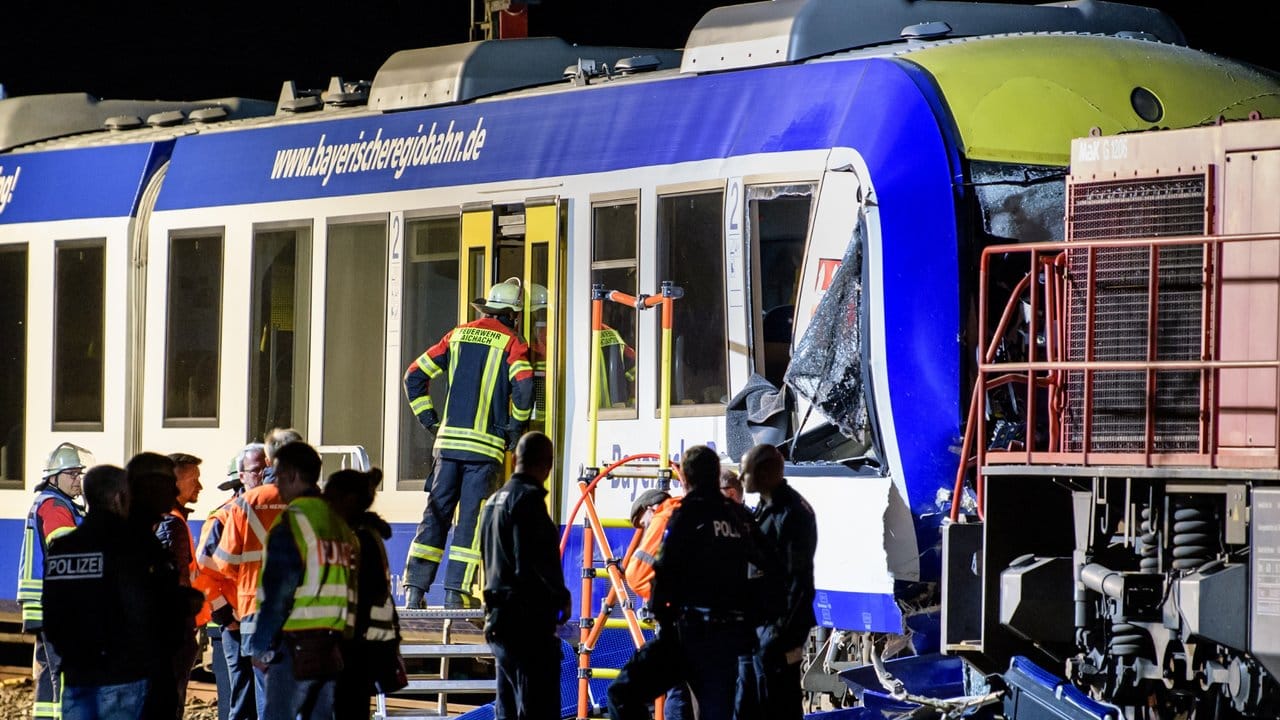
{"x":489,"y":403}
{"x":54,"y":513}
{"x":786,"y":519}
{"x":617,"y":369}
{"x":704,"y":599}
{"x":236,"y":563}
{"x":524,"y":594}
{"x":235,"y":687}
{"x":307,"y":596}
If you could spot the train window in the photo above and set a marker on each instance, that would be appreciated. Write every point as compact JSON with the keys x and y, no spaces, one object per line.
{"x":430,"y":310}
{"x":690,"y":254}
{"x":278,"y":329}
{"x":615,"y":229}
{"x":777,"y":223}
{"x":354,"y":336}
{"x":193,"y":331}
{"x":78,"y":335}
{"x":13,"y":362}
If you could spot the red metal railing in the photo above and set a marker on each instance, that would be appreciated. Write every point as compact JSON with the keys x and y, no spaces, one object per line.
{"x":1046,"y":288}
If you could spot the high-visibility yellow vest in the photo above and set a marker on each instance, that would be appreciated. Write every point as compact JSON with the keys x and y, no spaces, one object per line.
{"x":617,"y":369}
{"x":35,"y":544}
{"x":326,"y":597}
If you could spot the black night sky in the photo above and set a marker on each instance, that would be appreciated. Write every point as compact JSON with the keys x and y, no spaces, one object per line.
{"x":221,"y":48}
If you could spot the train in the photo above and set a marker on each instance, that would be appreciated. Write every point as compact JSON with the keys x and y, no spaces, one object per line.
{"x":821,"y":182}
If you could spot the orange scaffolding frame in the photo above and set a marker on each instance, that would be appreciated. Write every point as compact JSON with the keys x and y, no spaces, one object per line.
{"x":591,"y":625}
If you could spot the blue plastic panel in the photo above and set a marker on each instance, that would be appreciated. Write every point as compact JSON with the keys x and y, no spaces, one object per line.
{"x":96,"y":182}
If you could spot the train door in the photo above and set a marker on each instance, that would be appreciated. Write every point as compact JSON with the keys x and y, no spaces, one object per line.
{"x":279,"y":322}
{"x":355,"y":297}
{"x":522,"y":240}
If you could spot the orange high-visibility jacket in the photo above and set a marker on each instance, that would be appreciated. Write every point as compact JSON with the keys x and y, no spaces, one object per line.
{"x":237,"y":561}
{"x":217,"y":590}
{"x":640,"y":568}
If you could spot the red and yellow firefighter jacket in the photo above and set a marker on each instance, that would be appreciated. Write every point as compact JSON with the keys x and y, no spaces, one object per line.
{"x":490,"y":389}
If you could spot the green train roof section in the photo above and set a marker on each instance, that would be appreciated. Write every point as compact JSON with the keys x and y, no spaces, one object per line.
{"x":1022,"y":98}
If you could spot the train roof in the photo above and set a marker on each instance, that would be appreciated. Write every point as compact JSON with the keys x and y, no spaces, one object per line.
{"x":734,"y":37}
{"x":34,"y":119}
{"x":788,"y":31}
{"x":989,"y":83}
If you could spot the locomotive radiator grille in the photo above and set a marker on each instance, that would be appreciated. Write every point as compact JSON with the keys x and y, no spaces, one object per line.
{"x":1136,"y":209}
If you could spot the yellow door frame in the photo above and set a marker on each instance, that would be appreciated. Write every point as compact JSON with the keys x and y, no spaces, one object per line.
{"x":542,"y":217}
{"x":477,"y":234}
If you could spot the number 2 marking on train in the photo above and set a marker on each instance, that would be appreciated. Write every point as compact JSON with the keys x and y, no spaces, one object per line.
{"x":735,"y":195}
{"x":397,"y":236}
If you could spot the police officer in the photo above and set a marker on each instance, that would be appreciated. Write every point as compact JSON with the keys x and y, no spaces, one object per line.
{"x":54,"y":513}
{"x":703,"y":598}
{"x":118,"y":568}
{"x":786,"y":519}
{"x":489,"y":403}
{"x":524,"y":594}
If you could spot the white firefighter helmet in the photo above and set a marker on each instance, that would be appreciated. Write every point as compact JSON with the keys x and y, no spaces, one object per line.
{"x":232,"y":480}
{"x":537,"y":297}
{"x":67,"y":457}
{"x":505,"y":298}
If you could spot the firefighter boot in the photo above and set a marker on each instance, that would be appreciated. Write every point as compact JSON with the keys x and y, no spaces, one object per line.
{"x":414,"y":597}
{"x":455,"y":600}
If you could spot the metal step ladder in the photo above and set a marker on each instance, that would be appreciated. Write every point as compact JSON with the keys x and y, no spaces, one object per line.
{"x":440,"y":684}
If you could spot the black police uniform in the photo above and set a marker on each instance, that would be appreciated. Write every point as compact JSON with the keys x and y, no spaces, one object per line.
{"x":788,"y":521}
{"x":524,"y":594}
{"x":125,"y":575}
{"x":706,"y":604}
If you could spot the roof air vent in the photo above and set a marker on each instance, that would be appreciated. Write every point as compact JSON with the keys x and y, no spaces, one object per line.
{"x":293,"y":100}
{"x":926,"y":31}
{"x":457,"y":73}
{"x":637,"y":63}
{"x":346,"y":94}
{"x":585,"y":69}
{"x":122,"y":122}
{"x":208,"y":115}
{"x":166,"y":118}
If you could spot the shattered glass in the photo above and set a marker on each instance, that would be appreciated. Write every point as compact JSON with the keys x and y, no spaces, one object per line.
{"x":826,"y":367}
{"x":1020,"y":202}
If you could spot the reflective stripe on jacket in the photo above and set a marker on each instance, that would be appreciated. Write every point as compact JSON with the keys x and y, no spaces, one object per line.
{"x":325,"y":596}
{"x":237,"y":560}
{"x":617,"y":369}
{"x":490,"y":388}
{"x":217,"y":591}
{"x":35,"y":545}
{"x":376,"y":618}
{"x":640,"y":568}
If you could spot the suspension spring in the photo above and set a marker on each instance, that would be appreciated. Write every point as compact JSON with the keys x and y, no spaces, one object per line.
{"x":1127,"y":640}
{"x":1195,"y":534}
{"x":1150,"y":538}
